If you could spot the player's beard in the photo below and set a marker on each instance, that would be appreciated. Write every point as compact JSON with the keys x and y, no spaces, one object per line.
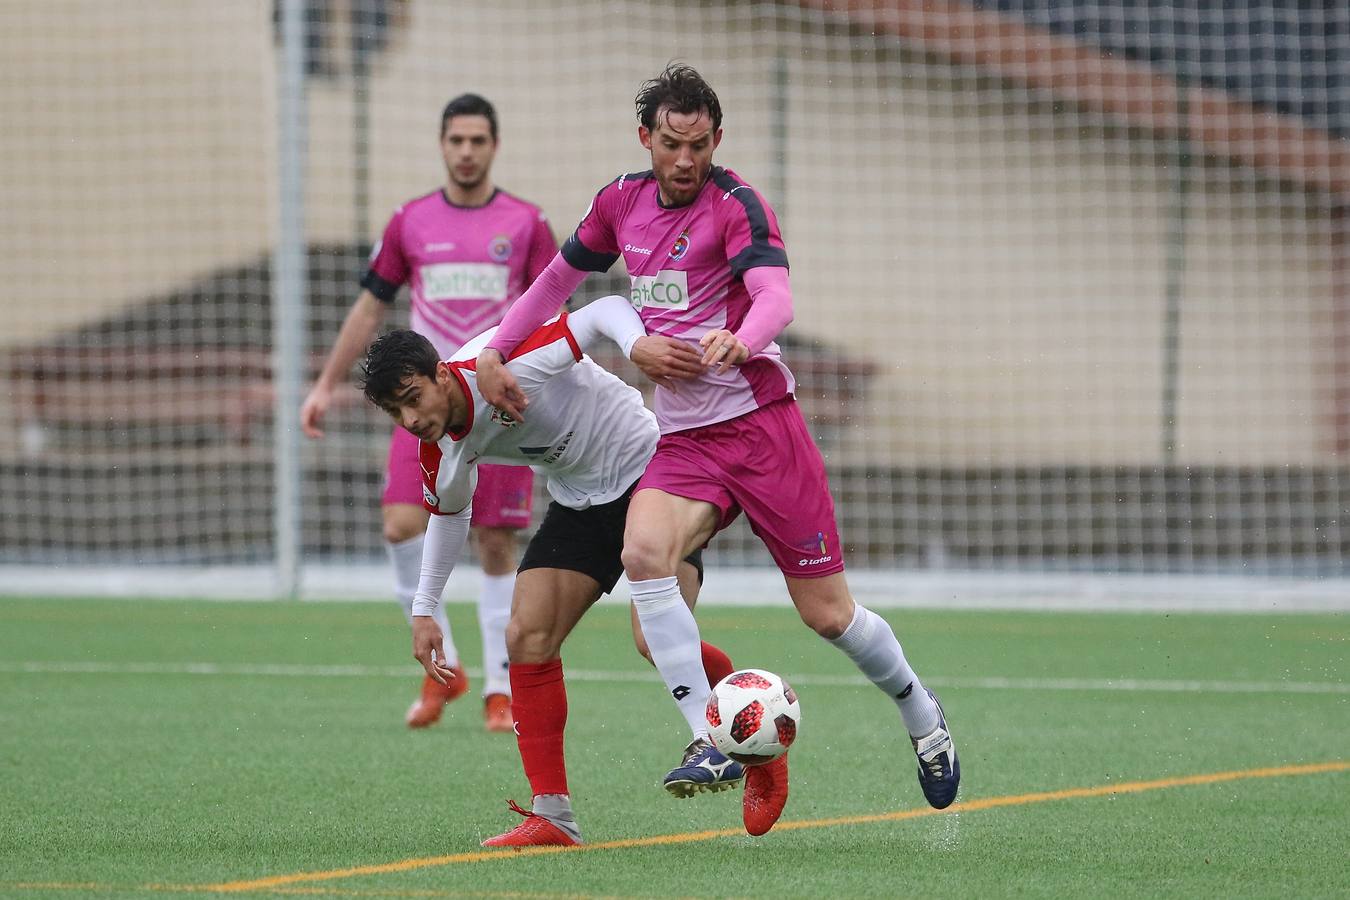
{"x":682,"y":195}
{"x":468,"y":184}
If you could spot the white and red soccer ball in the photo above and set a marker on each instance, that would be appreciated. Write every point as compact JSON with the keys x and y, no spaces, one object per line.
{"x":753,"y":716}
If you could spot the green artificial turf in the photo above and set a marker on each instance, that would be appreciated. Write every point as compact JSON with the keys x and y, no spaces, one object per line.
{"x":157,"y":748}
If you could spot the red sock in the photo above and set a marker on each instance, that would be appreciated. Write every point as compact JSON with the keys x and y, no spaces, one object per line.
{"x":539,"y":705}
{"x":716,"y":664}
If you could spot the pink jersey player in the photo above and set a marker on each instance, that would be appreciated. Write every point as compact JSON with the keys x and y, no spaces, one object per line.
{"x":685,"y":266}
{"x":464,"y":265}
{"x":466,"y":251}
{"x":709,"y":276}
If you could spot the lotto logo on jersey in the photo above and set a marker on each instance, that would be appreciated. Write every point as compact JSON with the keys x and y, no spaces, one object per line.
{"x":667,"y":289}
{"x":464,"y":281}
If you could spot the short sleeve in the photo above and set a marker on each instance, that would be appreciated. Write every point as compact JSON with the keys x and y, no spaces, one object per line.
{"x":593,"y":246}
{"x":543,"y":247}
{"x":749,"y":228}
{"x":549,"y":350}
{"x":388,"y":266}
{"x":447,"y":485}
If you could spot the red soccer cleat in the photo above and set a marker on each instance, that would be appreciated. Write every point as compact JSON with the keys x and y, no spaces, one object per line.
{"x":497,"y":713}
{"x":535,"y":831}
{"x":426,"y":710}
{"x":766,"y":793}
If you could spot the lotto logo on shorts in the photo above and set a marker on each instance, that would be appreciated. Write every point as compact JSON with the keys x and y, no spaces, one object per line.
{"x":430,"y":498}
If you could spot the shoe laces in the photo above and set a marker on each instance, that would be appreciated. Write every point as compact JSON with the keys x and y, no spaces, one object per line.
{"x":933,"y":762}
{"x":695,"y":749}
{"x":533,"y":821}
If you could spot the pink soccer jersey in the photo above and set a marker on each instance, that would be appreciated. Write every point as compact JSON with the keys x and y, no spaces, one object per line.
{"x":685,"y":266}
{"x":465,"y":265}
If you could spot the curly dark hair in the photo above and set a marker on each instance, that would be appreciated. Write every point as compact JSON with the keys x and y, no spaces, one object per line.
{"x":391,"y":359}
{"x":678,"y":89}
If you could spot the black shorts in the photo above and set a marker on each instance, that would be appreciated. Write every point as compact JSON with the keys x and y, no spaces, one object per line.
{"x":589,"y":541}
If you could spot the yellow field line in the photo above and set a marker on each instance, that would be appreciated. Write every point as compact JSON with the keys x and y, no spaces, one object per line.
{"x":1105,"y":790}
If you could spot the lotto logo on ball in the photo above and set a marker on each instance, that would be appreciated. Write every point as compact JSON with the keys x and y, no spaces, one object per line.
{"x":753,"y":716}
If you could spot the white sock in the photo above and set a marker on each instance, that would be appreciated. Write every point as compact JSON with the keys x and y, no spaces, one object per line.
{"x":406,"y":557}
{"x":673,"y":639}
{"x":494,"y":611}
{"x":871,"y":644}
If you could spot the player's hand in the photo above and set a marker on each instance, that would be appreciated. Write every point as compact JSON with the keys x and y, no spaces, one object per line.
{"x":312,"y":410}
{"x":663,"y":359}
{"x":723,"y":349}
{"x":429,"y":648}
{"x":498,"y":386}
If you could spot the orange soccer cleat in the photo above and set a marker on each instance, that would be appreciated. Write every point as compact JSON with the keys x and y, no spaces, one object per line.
{"x":497,"y":713}
{"x":535,"y":831}
{"x":766,"y":793}
{"x":426,"y":710}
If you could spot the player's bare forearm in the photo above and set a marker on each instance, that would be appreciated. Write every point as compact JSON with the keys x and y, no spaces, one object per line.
{"x":362,"y":321}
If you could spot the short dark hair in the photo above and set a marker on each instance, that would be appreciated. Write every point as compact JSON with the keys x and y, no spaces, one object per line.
{"x":679,"y":89}
{"x":391,"y":359}
{"x":470,"y":105}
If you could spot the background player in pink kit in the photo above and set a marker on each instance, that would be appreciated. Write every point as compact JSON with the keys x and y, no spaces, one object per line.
{"x":592,"y":437}
{"x":709,"y":271}
{"x":468,"y":249}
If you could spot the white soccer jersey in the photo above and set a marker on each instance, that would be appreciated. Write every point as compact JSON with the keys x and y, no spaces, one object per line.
{"x":586,"y":431}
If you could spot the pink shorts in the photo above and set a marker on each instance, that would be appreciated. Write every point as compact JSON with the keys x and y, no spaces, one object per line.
{"x":503,"y":498}
{"x":766,"y":464}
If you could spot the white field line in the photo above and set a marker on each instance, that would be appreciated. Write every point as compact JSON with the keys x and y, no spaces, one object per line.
{"x":733,"y":586}
{"x":283,"y":670}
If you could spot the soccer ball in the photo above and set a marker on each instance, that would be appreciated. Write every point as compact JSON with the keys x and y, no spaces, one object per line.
{"x":753,"y":716}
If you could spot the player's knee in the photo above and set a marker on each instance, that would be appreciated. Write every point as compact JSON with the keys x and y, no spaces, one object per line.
{"x":396,"y":531}
{"x":527,"y":643}
{"x":497,"y":550}
{"x":644,"y":560}
{"x":827,"y":620}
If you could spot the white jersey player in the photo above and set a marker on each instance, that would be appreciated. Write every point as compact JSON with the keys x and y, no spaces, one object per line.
{"x":591,"y":436}
{"x":591,"y":439}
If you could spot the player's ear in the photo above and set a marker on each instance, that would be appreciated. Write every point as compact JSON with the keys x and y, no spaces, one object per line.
{"x":645,"y":136}
{"x":443,"y":375}
{"x":717,"y":138}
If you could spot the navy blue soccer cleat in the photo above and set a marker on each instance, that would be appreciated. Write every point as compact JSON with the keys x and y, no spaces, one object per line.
{"x":939,"y":769}
{"x":704,"y":768}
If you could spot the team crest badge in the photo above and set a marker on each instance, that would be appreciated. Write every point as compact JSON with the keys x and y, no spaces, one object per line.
{"x":504,"y":419}
{"x":681,"y":246}
{"x":499,"y":248}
